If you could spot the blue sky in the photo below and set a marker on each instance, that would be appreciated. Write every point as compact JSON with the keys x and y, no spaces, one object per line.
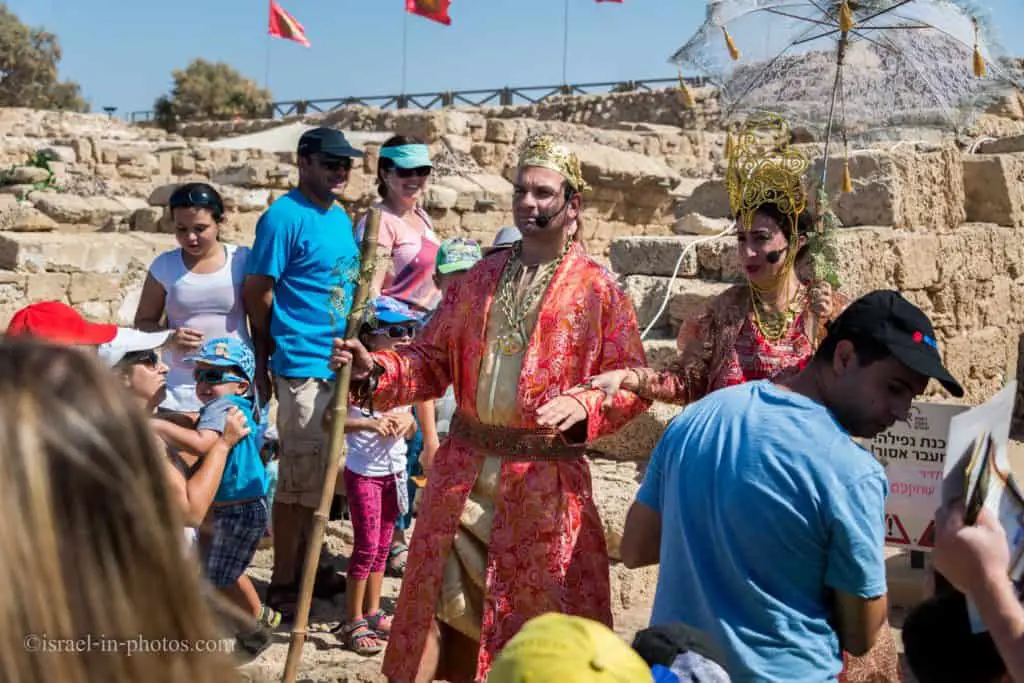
{"x":122,"y":52}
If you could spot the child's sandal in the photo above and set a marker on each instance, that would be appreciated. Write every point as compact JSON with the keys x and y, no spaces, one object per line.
{"x":269,"y":617}
{"x":356,"y":635}
{"x":380,"y":621}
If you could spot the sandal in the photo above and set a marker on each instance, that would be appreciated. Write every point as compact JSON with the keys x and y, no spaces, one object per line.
{"x":282,"y":599}
{"x":269,"y":617}
{"x":380,"y":621}
{"x":356,"y":636}
{"x":396,"y":564}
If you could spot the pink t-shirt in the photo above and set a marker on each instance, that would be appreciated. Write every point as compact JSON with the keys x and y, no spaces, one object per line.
{"x":413,"y":246}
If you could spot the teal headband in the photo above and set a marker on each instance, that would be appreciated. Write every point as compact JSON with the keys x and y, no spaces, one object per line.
{"x":408,"y":156}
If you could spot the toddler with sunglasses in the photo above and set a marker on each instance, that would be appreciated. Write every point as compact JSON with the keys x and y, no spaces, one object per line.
{"x":375,"y":481}
{"x":223,"y":370}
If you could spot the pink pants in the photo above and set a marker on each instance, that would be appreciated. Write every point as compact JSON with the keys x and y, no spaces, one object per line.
{"x":373,"y":508}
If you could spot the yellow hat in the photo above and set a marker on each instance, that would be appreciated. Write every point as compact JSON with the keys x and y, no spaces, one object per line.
{"x":543,"y":151}
{"x":557,"y":648}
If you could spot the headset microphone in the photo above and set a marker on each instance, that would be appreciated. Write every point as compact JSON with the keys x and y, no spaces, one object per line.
{"x":774,"y":257}
{"x":542,"y":221}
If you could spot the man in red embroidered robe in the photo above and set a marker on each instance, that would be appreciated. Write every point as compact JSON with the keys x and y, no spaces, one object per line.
{"x":507,"y":528}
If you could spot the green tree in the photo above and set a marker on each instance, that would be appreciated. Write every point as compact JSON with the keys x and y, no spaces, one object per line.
{"x":28,"y":68}
{"x":210,"y":91}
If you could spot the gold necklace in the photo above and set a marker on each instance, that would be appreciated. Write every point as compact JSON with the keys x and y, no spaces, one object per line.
{"x":515,"y":309}
{"x":775,"y":325}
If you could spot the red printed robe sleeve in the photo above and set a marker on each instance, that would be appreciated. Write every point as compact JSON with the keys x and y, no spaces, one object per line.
{"x":621,"y":347}
{"x":686,"y":378}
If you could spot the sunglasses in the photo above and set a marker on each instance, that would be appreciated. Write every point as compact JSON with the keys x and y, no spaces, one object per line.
{"x":216,"y":376}
{"x":419,"y":172}
{"x":396,"y":331}
{"x":336,"y":164}
{"x":148,"y":358}
{"x":195,"y":197}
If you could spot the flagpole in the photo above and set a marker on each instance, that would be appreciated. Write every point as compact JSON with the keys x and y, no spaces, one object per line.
{"x":405,"y":45}
{"x":266,"y":68}
{"x":565,"y":42}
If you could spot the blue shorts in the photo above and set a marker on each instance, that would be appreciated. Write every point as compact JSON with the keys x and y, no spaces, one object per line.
{"x":237,"y":530}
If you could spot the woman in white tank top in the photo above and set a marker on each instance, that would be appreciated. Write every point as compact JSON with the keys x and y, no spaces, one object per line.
{"x":198,"y":287}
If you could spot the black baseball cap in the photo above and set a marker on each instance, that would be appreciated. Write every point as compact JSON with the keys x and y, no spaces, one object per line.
{"x":326,"y":141}
{"x":885,"y":317}
{"x":662,"y":644}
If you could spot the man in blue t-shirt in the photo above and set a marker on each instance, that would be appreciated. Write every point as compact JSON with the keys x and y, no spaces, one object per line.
{"x":767,"y":518}
{"x":301,"y":276}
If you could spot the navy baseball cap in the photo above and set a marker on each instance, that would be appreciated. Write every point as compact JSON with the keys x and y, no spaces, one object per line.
{"x":326,"y":141}
{"x":888,"y":319}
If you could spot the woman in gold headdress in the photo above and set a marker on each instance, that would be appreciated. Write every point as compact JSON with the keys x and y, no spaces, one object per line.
{"x":767,"y":326}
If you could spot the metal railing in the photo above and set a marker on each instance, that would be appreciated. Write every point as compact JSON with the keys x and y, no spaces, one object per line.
{"x":505,"y":96}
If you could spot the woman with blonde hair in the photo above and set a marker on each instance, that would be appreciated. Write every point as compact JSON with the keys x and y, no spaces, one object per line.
{"x":96,"y":586}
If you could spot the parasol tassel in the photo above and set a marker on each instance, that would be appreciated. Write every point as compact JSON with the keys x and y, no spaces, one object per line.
{"x":687,"y":94}
{"x":733,"y":50}
{"x":846,"y":22}
{"x":847,"y":179}
{"x":979,"y":61}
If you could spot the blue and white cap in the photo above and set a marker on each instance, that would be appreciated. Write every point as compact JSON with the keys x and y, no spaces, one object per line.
{"x":227,"y":352}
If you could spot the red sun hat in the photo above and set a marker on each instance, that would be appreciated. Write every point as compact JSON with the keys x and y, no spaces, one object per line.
{"x":56,"y":322}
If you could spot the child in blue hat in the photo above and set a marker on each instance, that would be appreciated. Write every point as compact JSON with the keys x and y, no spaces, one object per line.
{"x":223,"y":371}
{"x":376,"y":485}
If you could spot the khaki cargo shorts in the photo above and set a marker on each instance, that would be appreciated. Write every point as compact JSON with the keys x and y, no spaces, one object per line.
{"x":303,"y":460}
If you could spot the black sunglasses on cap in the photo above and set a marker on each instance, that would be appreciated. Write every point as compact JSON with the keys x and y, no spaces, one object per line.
{"x":419,"y":172}
{"x":190,"y":196}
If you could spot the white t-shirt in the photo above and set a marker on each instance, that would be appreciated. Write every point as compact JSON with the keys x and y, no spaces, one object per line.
{"x":371,"y":454}
{"x":208,"y":302}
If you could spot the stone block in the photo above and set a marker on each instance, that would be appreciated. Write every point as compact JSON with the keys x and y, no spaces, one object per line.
{"x":495,"y":189}
{"x":484,"y":154}
{"x":83,"y":149}
{"x":467,"y":191}
{"x":615,"y":485}
{"x":484,"y":223}
{"x":913,"y":188}
{"x":96,"y":311}
{"x":86,"y":253}
{"x":457,"y":143}
{"x":26,"y":219}
{"x":501,"y":130}
{"x":660,"y":351}
{"x":686,"y":304}
{"x":147,"y":220}
{"x":696,"y":224}
{"x":240,"y":199}
{"x":257,"y":173}
{"x":93,"y":287}
{"x":635,"y":441}
{"x":132,"y":172}
{"x":64,"y":153}
{"x":1013,"y":143}
{"x":8,"y":202}
{"x":653,"y":255}
{"x":993,"y":189}
{"x":440,"y":197}
{"x":710,"y":199}
{"x":65,"y":208}
{"x":183,"y":162}
{"x":425,"y":125}
{"x":982,"y":359}
{"x":24,"y":175}
{"x":649,"y":292}
{"x":47,"y":287}
{"x":608,"y":167}
{"x":717,"y":260}
{"x":456,"y":122}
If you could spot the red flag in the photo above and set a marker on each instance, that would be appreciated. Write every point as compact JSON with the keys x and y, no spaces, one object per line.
{"x":283,"y":25}
{"x":435,"y":10}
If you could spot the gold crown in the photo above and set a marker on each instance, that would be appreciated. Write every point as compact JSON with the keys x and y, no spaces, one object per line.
{"x":543,"y":151}
{"x":764,"y":169}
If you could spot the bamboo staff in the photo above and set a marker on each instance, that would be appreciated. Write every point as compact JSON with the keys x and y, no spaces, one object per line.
{"x":336,"y":449}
